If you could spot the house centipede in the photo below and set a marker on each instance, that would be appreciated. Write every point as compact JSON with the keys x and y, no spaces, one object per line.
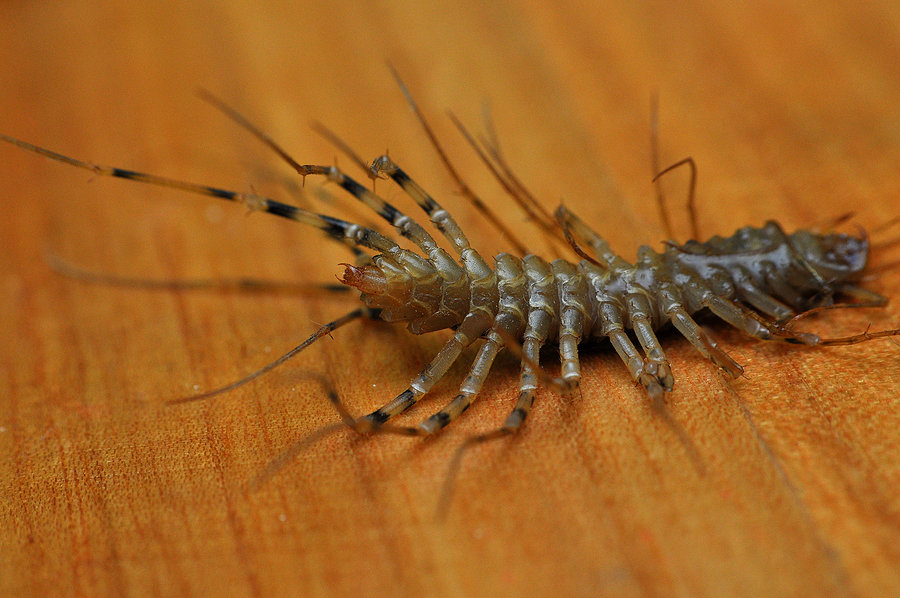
{"x":760,"y":280}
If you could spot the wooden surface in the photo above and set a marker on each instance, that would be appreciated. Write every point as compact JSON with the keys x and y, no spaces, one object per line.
{"x":784,"y":484}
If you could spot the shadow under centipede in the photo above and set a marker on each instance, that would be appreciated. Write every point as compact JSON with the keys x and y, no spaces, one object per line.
{"x":826,"y":549}
{"x":287,"y":455}
{"x":661,"y":411}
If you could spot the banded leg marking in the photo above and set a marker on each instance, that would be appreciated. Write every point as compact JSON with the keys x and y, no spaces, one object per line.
{"x":469,"y":389}
{"x":464,"y":189}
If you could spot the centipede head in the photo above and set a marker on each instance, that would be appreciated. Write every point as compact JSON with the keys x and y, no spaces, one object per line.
{"x":835,"y":257}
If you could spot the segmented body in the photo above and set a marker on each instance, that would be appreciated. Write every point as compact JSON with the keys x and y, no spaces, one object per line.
{"x":567,"y":303}
{"x":755,"y":280}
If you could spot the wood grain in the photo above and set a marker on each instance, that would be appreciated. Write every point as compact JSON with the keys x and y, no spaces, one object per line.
{"x":784,"y":483}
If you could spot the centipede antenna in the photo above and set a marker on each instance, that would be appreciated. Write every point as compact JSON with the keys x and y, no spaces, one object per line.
{"x":654,"y":165}
{"x":691,"y":207}
{"x":321,"y":332}
{"x":463,"y":187}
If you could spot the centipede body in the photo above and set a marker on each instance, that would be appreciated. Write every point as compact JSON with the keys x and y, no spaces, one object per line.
{"x":759,"y":280}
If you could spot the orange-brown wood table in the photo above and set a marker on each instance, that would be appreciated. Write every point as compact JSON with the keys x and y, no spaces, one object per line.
{"x":782,"y":483}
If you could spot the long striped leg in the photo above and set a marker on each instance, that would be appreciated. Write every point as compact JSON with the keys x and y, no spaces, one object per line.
{"x":441,"y":218}
{"x":464,"y":189}
{"x":429,"y":376}
{"x":507,"y":325}
{"x":347,"y":232}
{"x":470,"y":330}
{"x":341,"y":230}
{"x":468,"y":390}
{"x":511,"y":304}
{"x":475,"y":379}
{"x":543,"y":302}
{"x":481,"y":277}
{"x":377,"y":421}
{"x":440,"y":262}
